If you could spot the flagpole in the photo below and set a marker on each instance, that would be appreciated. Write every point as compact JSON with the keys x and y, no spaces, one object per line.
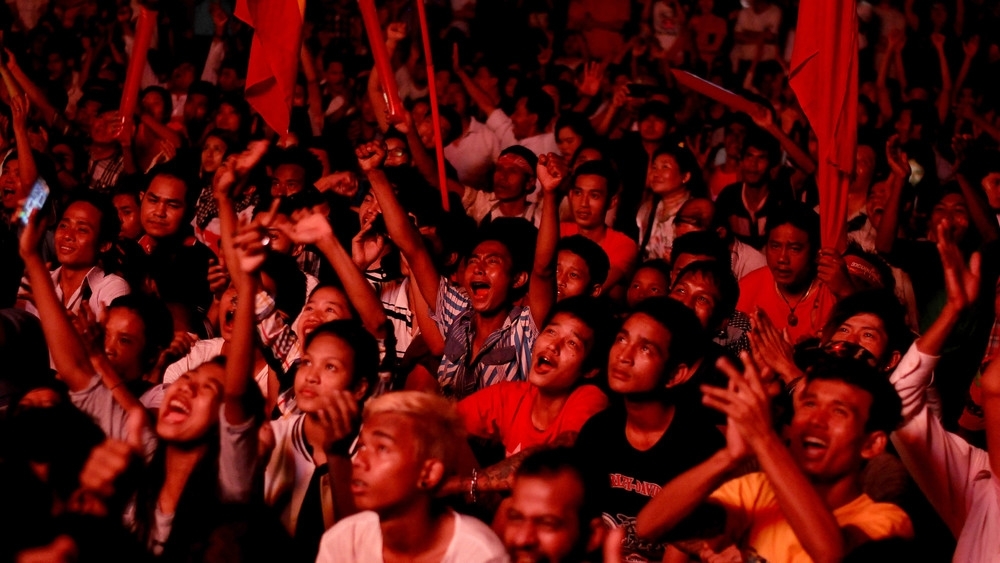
{"x":435,"y":110}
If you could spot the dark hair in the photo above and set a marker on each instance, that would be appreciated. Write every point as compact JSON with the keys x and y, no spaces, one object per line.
{"x":657,"y":264}
{"x":688,"y":164}
{"x":540,"y":104}
{"x":595,"y":312}
{"x":799,"y":216}
{"x":524,"y":153}
{"x":297,"y":156}
{"x":289,"y":281}
{"x":157,"y":323}
{"x":724,"y":280}
{"x":168,"y":103}
{"x":886,"y":410}
{"x":601,"y":168}
{"x":110,"y":226}
{"x":232,"y":142}
{"x":687,"y":338}
{"x":361,"y":343}
{"x":590,"y":252}
{"x":701,"y":243}
{"x":550,"y":462}
{"x":580,"y":125}
{"x":517,"y":235}
{"x":454,"y":121}
{"x":655,"y":108}
{"x":879,"y":302}
{"x":763,"y":141}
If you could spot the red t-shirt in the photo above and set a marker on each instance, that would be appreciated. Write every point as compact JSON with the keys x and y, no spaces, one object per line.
{"x":757,"y":289}
{"x":503,"y":411}
{"x":621,"y":250}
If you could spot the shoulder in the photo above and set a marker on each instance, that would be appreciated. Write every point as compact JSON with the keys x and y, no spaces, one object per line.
{"x":588,"y":394}
{"x":730,"y":193}
{"x":874,"y":520}
{"x":474,"y":542}
{"x":356,"y":538}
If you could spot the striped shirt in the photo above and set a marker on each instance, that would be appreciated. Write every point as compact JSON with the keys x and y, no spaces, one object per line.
{"x":505,"y":355}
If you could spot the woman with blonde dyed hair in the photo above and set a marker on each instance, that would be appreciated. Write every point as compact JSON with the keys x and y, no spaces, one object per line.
{"x":408,"y":446}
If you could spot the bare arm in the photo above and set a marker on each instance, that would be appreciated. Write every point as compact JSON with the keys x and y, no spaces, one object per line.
{"x":682,"y":496}
{"x":971,"y":47}
{"x":888,"y":228}
{"x":961,"y":287}
{"x":479,"y":97}
{"x":28,"y":171}
{"x":397,"y":222}
{"x":944,"y":98}
{"x":312,"y":91}
{"x":985,"y":222}
{"x":541,"y":283}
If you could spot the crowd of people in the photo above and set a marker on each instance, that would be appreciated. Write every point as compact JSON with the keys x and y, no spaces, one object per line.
{"x":613,"y":334}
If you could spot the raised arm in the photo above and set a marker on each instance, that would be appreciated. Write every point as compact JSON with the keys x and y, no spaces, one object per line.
{"x":51,"y":114}
{"x":67,"y":350}
{"x":978,"y":206}
{"x":551,"y":171}
{"x":479,"y":97}
{"x":20,"y":106}
{"x":312,"y":227}
{"x":765,"y":120}
{"x":748,"y":407}
{"x":970,"y":47}
{"x":961,"y":284}
{"x":312,"y":91}
{"x":397,"y":222}
{"x":944,"y":97}
{"x":888,"y":228}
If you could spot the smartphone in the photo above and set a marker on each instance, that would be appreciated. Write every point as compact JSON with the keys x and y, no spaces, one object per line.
{"x":636,"y":90}
{"x":36,"y":200}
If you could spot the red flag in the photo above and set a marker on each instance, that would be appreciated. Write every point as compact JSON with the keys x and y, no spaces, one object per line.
{"x":274,"y":56}
{"x":824,"y":76}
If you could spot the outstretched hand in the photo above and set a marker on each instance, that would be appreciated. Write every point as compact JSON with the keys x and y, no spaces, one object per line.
{"x":961,"y":281}
{"x":745,"y":403}
{"x":252,"y":243}
{"x":308,"y":226}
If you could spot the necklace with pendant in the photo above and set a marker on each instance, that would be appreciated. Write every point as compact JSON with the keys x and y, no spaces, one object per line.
{"x":792,"y":319}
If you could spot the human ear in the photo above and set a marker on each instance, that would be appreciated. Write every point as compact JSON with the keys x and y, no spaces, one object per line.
{"x":681,"y":374}
{"x":431,"y":474}
{"x":520,"y":279}
{"x":360,"y":390}
{"x":874,"y":445}
{"x":596,"y":291}
{"x":598,"y":532}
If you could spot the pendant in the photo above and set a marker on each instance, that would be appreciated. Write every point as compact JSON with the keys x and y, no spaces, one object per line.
{"x":792,"y":319}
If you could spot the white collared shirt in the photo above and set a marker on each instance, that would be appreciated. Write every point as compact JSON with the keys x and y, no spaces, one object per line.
{"x":103,"y":289}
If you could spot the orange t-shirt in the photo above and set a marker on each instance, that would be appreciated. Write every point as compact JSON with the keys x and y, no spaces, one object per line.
{"x":757,"y":289}
{"x":503,"y":411}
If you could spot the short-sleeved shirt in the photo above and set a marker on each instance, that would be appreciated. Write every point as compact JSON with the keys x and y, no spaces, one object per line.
{"x":503,"y":411}
{"x":753,"y":517}
{"x":621,"y":250}
{"x":358,"y":539}
{"x":746,"y":226}
{"x":632,"y":477}
{"x":759,"y":290}
{"x":504,"y":356}
{"x":98,"y":288}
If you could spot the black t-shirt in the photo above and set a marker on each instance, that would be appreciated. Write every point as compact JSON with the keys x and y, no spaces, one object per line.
{"x":730,"y":207}
{"x":633,"y":477}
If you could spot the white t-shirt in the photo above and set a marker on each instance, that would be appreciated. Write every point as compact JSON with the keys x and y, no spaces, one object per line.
{"x":358,"y":539}
{"x":473,"y":155}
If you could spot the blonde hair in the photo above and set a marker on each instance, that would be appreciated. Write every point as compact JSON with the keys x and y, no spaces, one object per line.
{"x":436,"y":423}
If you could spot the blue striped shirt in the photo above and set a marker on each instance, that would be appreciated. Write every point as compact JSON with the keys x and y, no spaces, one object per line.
{"x":505,"y":355}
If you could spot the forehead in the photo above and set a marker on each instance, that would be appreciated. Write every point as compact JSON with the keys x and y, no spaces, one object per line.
{"x":124,"y":200}
{"x":123,"y":318}
{"x":491,"y":248}
{"x":645,"y":326}
{"x":650,"y":275}
{"x":832,"y":390}
{"x":167,"y":187}
{"x":570,"y":259}
{"x":82,"y":211}
{"x":591,"y":182}
{"x":952,"y":200}
{"x":558,"y":493}
{"x":395,"y":426}
{"x":330,"y":345}
{"x":289,"y":169}
{"x":573,"y":323}
{"x":665,"y":160}
{"x":788,"y":233}
{"x":866,"y":320}
{"x":327,"y":295}
{"x":700,"y":281}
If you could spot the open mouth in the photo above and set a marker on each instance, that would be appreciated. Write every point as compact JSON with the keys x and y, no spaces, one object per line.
{"x":479,"y":290}
{"x":813,"y":447}
{"x":176,"y":411}
{"x":545,"y":363}
{"x":229,"y":316}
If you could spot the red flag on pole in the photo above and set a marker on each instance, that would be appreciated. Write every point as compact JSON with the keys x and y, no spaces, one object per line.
{"x":824,"y":76}
{"x":274,"y":56}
